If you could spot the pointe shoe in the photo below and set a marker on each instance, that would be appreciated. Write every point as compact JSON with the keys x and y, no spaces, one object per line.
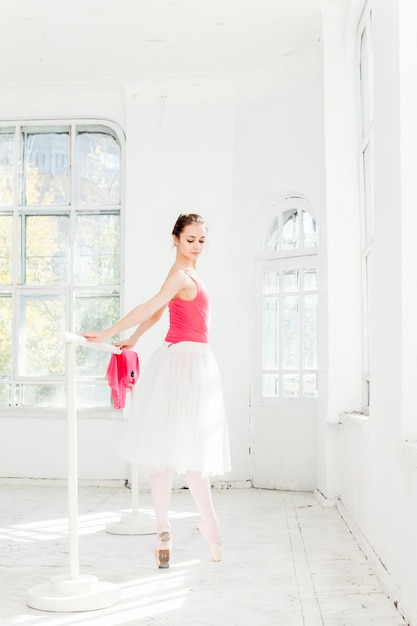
{"x":163,"y":549}
{"x":216,"y":549}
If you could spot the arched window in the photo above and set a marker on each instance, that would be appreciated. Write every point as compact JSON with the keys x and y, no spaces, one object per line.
{"x":287,"y":280}
{"x":60,"y":236}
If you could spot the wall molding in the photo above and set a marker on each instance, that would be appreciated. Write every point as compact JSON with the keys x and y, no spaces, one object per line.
{"x":381,"y":572}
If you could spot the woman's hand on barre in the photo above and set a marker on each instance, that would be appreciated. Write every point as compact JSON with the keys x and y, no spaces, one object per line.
{"x":98,"y":336}
{"x":125,"y":344}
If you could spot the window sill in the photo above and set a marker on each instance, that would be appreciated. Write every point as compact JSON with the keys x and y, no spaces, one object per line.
{"x":355,"y":419}
{"x":50,"y":413}
{"x":407,"y":452}
{"x":284,"y":402}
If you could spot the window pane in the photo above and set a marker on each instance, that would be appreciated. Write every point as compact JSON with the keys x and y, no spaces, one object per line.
{"x":98,"y":168}
{"x":6,"y":241}
{"x":46,"y":168}
{"x":271,"y":334}
{"x":271,"y":282}
{"x":310,"y":386}
{"x":46,"y":242}
{"x":368,"y":310}
{"x":5,"y":395}
{"x":55,"y":396}
{"x":291,"y":229}
{"x":43,"y":396}
{"x":270,"y":385}
{"x":310,"y":280}
{"x":7,"y":146}
{"x":310,"y":331}
{"x":271,"y":240}
{"x":53,"y":250}
{"x":97,"y":250}
{"x":291,"y":280}
{"x":364,"y":80}
{"x":5,"y":335}
{"x":311,"y":237}
{"x":94,"y":313}
{"x":93,"y":395}
{"x":41,"y":351}
{"x":290,"y":334}
{"x":291,"y":385}
{"x":367,"y":193}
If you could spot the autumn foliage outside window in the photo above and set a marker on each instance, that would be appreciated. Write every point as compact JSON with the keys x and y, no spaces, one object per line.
{"x":60,"y":207}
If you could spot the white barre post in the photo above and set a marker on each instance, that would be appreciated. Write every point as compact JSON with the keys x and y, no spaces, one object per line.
{"x":133,"y":524}
{"x":74,"y":593}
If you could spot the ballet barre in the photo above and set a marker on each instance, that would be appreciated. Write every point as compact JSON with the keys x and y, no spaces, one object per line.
{"x":74,"y":592}
{"x":133,"y":523}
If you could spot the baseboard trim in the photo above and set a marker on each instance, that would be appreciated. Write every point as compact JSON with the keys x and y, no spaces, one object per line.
{"x":391,"y":588}
{"x":323,"y":501}
{"x":62,"y":482}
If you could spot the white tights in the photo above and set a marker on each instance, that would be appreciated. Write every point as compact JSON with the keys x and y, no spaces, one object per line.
{"x":199,"y":486}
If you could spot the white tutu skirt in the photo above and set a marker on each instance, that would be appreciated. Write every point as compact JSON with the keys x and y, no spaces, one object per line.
{"x":177,"y":418}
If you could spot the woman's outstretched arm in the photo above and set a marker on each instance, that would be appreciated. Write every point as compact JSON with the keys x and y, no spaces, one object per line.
{"x":127,"y":344}
{"x":143,"y":312}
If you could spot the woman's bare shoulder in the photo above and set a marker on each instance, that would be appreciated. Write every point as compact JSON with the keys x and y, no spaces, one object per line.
{"x":177,"y":278}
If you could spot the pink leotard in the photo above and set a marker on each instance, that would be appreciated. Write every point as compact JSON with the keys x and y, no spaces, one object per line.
{"x":189,"y":319}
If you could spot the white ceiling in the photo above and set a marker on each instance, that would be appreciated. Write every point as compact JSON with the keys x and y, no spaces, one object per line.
{"x":60,"y":41}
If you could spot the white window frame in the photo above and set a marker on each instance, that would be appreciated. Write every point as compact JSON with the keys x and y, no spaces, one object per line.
{"x":17,"y":290}
{"x":281,"y":260}
{"x":366,"y":144}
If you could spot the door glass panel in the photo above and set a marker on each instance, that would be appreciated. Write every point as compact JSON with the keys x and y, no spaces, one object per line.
{"x":311,"y":236}
{"x":291,"y":280}
{"x":272,"y":238}
{"x":291,"y":385}
{"x":310,"y":280}
{"x":271,"y":334}
{"x":291,"y":229}
{"x":310,"y":331}
{"x":271,"y":282}
{"x":310,"y":385}
{"x":270,"y":386}
{"x":290,"y":341}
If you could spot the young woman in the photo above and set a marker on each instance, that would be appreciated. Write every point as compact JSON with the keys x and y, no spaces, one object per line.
{"x":177,"y":421}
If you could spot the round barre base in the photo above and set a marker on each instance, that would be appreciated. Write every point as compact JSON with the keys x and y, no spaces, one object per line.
{"x":131,"y":525}
{"x":61,"y":594}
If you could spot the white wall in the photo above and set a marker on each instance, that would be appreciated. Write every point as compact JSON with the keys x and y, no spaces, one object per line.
{"x":224,"y":146}
{"x":278,"y":152}
{"x":179,"y":157}
{"x":341,"y":332}
{"x":377,"y":469}
{"x":33,"y":446}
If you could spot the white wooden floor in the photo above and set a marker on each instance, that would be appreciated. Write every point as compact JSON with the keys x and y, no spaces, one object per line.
{"x":287,"y":562}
